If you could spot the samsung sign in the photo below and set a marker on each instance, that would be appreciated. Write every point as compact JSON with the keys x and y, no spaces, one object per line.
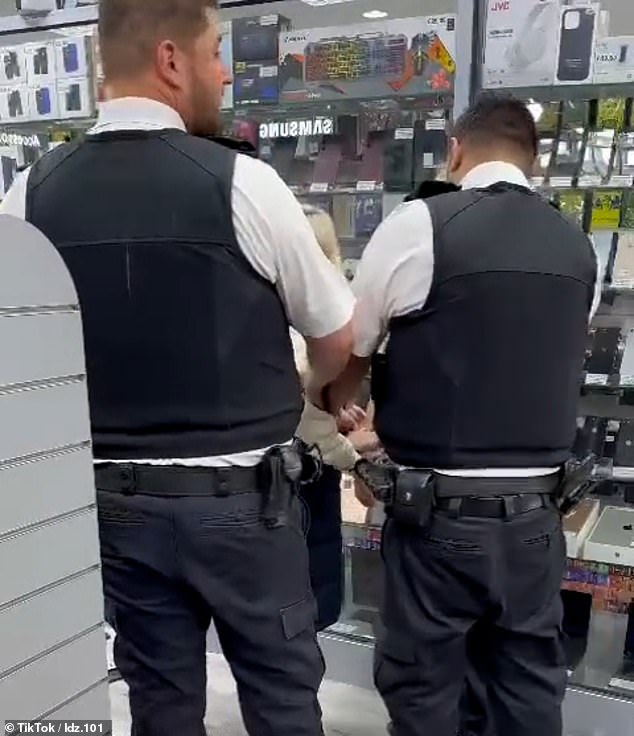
{"x":296,"y":128}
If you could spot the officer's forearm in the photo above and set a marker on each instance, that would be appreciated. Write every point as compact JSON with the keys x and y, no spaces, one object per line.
{"x":345,"y":388}
{"x":328,"y":356}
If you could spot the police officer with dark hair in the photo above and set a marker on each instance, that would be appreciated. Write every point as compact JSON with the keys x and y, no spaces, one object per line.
{"x":485,"y":296}
{"x":189,"y":278}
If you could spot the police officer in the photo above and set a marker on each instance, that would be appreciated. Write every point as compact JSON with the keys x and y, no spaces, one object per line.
{"x":190,"y":261}
{"x":485,"y":294}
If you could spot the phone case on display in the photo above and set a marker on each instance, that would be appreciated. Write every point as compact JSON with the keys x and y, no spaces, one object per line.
{"x":15,"y":105}
{"x":577,"y":43}
{"x":605,"y":357}
{"x":398,"y":171}
{"x":283,"y":156}
{"x":70,"y":55}
{"x":590,"y":437}
{"x":9,"y":170}
{"x":327,"y":163}
{"x":371,"y":168}
{"x":624,"y":453}
{"x":430,"y":150}
{"x":343,"y":212}
{"x":368,"y":214}
{"x":73,"y":98}
{"x":627,"y":213}
{"x":11,"y":65}
{"x":349,"y":129}
{"x":40,"y":61}
{"x":43,"y":101}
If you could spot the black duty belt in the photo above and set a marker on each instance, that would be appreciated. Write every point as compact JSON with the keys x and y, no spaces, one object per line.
{"x":451,"y":486}
{"x":178,"y":481}
{"x":494,"y":508}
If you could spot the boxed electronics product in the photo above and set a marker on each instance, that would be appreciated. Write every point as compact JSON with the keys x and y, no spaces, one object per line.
{"x":14,"y":104}
{"x":40,"y":62}
{"x":75,"y":98}
{"x":612,"y":539}
{"x":43,"y":102}
{"x":576,"y":47}
{"x":614,"y":60}
{"x":578,"y":525}
{"x":520,"y":43}
{"x":407,"y":56}
{"x":72,"y":57}
{"x":12,"y":65}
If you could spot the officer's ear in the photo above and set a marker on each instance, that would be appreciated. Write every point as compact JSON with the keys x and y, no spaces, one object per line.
{"x":455,"y":159}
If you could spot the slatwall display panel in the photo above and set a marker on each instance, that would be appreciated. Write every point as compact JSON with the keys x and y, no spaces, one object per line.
{"x":57,"y":335}
{"x":50,"y":486}
{"x":52,"y":643}
{"x":52,"y":618}
{"x":42,"y":418}
{"x":85,"y":707}
{"x":41,"y":686}
{"x":47,"y":554}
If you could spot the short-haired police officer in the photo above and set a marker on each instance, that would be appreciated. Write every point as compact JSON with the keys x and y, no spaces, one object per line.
{"x":485,"y":294}
{"x":190,"y":261}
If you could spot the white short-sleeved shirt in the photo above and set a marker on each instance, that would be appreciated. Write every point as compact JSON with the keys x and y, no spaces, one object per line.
{"x":271,"y":230}
{"x":396,"y":271}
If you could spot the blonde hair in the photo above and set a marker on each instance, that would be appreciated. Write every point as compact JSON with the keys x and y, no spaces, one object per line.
{"x":324,"y":229}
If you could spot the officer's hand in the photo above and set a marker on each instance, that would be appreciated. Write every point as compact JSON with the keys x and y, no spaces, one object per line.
{"x":364,"y":495}
{"x":351,"y":419}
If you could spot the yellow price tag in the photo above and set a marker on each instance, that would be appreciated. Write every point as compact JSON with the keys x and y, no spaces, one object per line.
{"x":606,"y":210}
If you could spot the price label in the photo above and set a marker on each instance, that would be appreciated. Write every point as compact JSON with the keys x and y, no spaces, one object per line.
{"x":404,"y":134}
{"x":590,"y":181}
{"x":319,"y":187}
{"x":268,"y":71}
{"x":596,"y":379}
{"x":561,"y":182}
{"x":435,"y":124}
{"x":366,"y":186}
{"x":621,"y":181}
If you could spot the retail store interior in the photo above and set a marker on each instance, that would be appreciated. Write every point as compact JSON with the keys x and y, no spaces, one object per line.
{"x":352,"y":102}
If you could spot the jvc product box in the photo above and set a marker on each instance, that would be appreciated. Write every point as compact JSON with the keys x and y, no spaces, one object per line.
{"x":40,"y":62}
{"x":43,"y":102}
{"x":14,"y":106}
{"x":614,"y":60}
{"x":12,"y":65}
{"x":75,"y":98}
{"x":520,"y":43}
{"x":72,"y":57}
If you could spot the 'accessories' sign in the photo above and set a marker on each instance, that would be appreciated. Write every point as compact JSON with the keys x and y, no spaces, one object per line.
{"x":295,"y":128}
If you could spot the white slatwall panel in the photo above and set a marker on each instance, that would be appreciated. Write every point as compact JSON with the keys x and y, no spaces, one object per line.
{"x":52,"y":644}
